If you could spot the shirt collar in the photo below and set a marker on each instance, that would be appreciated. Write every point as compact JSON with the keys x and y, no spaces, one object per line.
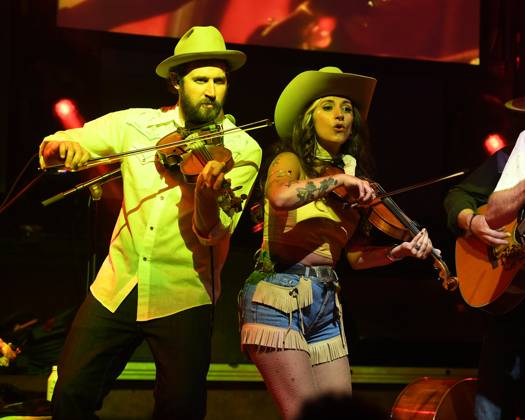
{"x":166,"y":116}
{"x":155,"y":125}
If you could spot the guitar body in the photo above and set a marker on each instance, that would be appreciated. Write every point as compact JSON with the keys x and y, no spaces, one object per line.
{"x":492,"y":279}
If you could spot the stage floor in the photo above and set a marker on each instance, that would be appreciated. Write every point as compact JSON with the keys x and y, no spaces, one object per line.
{"x":235,"y":391}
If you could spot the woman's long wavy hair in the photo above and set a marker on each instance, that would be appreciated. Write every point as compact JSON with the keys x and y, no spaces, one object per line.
{"x":304,"y":144}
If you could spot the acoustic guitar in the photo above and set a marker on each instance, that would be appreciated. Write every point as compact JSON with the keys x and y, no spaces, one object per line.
{"x":492,"y":278}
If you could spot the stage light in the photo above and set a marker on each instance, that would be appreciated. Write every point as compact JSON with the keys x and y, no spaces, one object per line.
{"x":493,"y":142}
{"x":67,"y":112}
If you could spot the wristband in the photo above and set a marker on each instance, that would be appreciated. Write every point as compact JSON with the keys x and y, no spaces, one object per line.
{"x":470,"y":221}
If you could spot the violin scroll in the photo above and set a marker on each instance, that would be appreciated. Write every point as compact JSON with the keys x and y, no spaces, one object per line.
{"x":449,"y":282}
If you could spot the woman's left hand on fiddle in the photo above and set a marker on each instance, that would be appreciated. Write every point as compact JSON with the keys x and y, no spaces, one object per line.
{"x":419,"y":247}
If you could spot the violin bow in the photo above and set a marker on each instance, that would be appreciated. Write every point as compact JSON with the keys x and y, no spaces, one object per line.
{"x":106,"y":160}
{"x":415,"y":186}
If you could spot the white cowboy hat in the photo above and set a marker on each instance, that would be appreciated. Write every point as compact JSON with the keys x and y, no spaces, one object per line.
{"x":312,"y":84}
{"x":516,"y":104}
{"x":201,"y":43}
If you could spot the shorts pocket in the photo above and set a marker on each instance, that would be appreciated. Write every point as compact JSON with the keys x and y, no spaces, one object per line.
{"x":283,"y":298}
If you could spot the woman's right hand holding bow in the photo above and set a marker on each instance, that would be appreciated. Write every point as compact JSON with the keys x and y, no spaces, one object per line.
{"x":359,"y":190}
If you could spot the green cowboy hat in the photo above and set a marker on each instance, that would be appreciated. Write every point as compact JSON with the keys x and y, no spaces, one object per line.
{"x":201,"y":43}
{"x":516,"y":104}
{"x":312,"y":84}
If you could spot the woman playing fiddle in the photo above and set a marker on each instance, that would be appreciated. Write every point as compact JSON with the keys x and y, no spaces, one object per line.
{"x":290,"y":313}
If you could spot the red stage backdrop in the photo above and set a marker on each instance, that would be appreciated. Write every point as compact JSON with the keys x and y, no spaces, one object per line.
{"x":444,"y":30}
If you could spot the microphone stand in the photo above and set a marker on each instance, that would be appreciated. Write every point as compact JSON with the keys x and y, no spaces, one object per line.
{"x":93,"y":184}
{"x":95,"y":190}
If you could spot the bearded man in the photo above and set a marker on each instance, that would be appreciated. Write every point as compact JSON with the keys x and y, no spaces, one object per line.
{"x":161,"y":277}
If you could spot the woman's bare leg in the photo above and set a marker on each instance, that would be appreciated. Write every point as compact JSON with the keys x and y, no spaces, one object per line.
{"x":288,"y":376}
{"x":333,"y":377}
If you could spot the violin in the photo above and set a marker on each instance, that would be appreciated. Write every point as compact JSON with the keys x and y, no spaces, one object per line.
{"x":387,"y":216}
{"x":191,"y":157}
{"x":190,"y":150}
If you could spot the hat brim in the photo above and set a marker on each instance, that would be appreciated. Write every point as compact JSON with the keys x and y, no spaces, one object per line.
{"x":516,"y":104}
{"x":311,"y":85}
{"x":234,"y":58}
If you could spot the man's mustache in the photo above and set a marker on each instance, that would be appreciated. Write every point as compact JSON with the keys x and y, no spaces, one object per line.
{"x":209,"y":102}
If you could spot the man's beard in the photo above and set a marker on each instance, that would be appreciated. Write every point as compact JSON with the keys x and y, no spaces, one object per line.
{"x":198,"y":115}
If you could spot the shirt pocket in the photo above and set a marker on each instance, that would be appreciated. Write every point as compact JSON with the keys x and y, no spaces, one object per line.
{"x":142,"y":170}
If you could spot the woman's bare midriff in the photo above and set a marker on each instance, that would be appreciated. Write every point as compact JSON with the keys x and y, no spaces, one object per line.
{"x":286,"y":255}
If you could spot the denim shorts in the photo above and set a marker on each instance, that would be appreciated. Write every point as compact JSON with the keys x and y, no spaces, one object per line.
{"x":290,"y":310}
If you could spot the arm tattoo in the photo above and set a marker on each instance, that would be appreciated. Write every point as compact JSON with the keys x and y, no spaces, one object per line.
{"x":311,"y":191}
{"x":280,"y":173}
{"x":277,"y":177}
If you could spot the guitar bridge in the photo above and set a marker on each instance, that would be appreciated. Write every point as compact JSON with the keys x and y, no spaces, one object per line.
{"x":491,"y":256}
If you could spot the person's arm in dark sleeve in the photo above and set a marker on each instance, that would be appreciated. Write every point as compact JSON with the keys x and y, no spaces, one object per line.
{"x":474,"y":190}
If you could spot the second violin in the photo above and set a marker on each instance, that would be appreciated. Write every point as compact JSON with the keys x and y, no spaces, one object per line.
{"x":385,"y":215}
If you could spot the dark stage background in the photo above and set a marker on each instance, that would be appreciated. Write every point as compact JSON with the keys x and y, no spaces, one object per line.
{"x":428,"y":119}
